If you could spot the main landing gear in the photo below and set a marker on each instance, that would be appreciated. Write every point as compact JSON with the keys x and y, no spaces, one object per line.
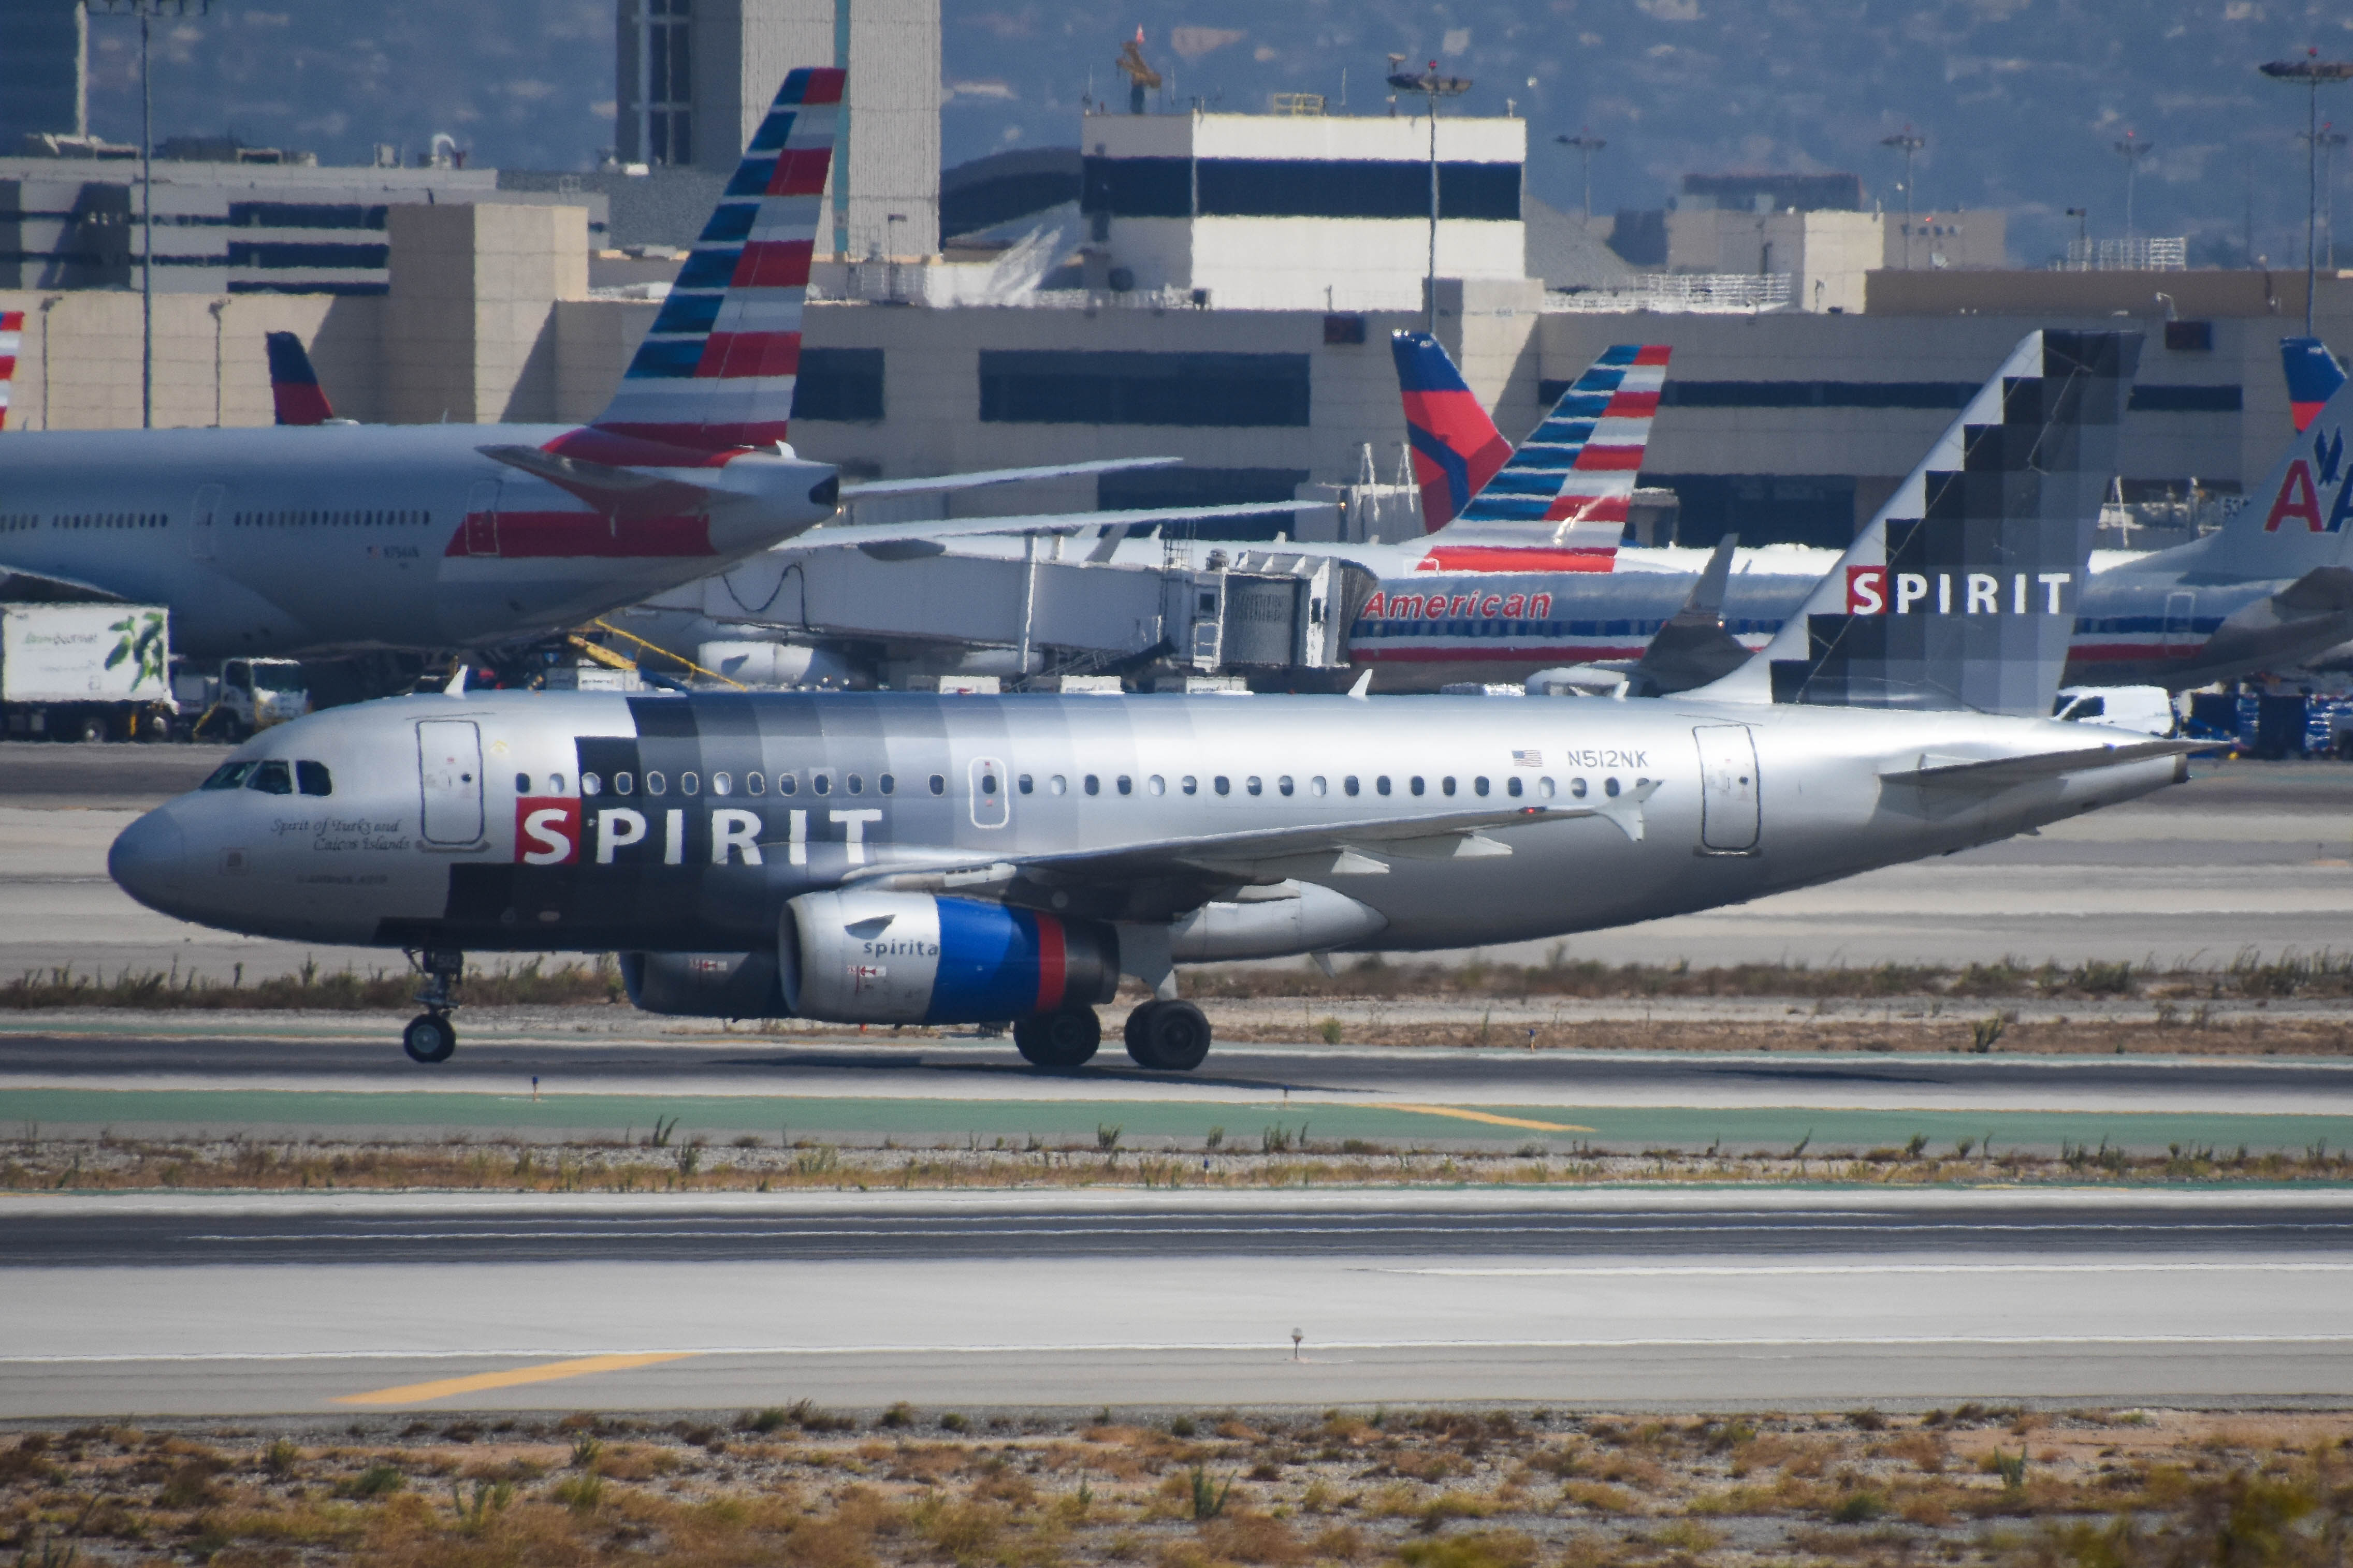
{"x":1167,"y":1035}
{"x":1061,"y":1039}
{"x":430,"y":1037}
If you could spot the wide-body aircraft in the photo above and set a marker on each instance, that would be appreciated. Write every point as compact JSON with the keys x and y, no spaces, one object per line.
{"x":916,"y":858}
{"x":321,"y":536}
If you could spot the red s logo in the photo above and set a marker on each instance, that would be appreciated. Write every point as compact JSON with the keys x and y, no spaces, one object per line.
{"x":1866,"y":590}
{"x":547,"y":830}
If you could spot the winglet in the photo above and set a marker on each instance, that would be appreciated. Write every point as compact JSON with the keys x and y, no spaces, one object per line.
{"x":456,"y":687}
{"x":1364,"y":685}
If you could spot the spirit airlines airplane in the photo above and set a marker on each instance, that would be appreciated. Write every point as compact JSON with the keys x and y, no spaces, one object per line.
{"x":1522,"y":571}
{"x":914,"y":858}
{"x":341,"y":537}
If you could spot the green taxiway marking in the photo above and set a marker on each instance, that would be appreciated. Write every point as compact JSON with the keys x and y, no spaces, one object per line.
{"x":1622,"y":1130}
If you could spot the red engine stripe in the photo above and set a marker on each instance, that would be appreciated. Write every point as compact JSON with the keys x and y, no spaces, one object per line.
{"x":1053,"y":964}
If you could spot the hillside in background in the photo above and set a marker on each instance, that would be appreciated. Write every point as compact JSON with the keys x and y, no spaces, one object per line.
{"x":2021,"y":99}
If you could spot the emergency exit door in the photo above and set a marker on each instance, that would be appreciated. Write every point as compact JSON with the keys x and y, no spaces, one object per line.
{"x":481,"y":524}
{"x":449,"y":762}
{"x":1727,"y":767}
{"x":201,"y":518}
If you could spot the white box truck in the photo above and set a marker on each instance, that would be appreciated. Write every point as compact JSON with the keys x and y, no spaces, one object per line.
{"x":85,"y":672}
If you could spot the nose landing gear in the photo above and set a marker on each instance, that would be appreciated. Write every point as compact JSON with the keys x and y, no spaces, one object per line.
{"x":430,"y":1037}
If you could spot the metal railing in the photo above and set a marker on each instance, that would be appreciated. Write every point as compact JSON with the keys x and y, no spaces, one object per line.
{"x":2150,"y":255}
{"x":1695,"y":292}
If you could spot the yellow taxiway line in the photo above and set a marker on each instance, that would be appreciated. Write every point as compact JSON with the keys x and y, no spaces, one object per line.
{"x":1491,"y":1120}
{"x":547,"y":1371}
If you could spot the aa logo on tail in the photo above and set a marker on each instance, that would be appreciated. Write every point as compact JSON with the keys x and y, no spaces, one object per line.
{"x":2299,"y":492}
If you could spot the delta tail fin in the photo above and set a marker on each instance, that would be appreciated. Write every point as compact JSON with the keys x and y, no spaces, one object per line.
{"x":1456,"y":447}
{"x":1961,"y":594}
{"x":2313,"y":377}
{"x":294,"y":390}
{"x":715,"y":372}
{"x":12,"y":338}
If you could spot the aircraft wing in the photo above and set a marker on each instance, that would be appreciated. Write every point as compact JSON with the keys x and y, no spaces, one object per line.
{"x":1164,"y":878}
{"x":976,"y":480}
{"x":2000,"y":773}
{"x":864,"y":533}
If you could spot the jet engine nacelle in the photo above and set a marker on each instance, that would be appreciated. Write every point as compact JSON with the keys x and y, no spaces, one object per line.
{"x":708,"y":984}
{"x":911,"y":958}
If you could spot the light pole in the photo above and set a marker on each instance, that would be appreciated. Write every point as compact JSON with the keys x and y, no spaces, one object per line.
{"x":2082,"y":216}
{"x":2330,"y":138}
{"x":2311,"y":70}
{"x":1586,"y":145}
{"x":1909,"y":142}
{"x":1435,"y":86}
{"x":2133,"y":150}
{"x":147,"y":11}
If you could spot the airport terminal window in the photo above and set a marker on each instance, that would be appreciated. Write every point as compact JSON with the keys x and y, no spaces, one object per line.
{"x":843,"y":384}
{"x":756,"y":784}
{"x":311,"y":778}
{"x":722,"y":783}
{"x":654,"y":782}
{"x":788,"y":783}
{"x":228,"y":775}
{"x":271,"y":778}
{"x":1065,"y":386}
{"x":939,"y":783}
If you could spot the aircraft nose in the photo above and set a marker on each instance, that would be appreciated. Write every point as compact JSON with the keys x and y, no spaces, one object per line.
{"x":147,"y":857}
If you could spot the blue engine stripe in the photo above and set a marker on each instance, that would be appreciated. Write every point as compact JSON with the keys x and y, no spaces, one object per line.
{"x":988,"y":963}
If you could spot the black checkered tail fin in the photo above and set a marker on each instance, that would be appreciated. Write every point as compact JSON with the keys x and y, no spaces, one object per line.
{"x":1961,"y":593}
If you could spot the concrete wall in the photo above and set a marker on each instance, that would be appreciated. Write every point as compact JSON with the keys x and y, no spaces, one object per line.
{"x":1976,"y":238}
{"x":470,"y":324}
{"x":1827,"y":254}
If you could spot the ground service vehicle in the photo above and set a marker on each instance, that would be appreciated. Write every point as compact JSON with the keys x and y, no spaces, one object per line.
{"x":84,"y":672}
{"x":247,"y":695}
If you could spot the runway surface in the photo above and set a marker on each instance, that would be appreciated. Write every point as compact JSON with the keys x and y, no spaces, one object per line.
{"x":2245,"y":855}
{"x":1722,"y":1299}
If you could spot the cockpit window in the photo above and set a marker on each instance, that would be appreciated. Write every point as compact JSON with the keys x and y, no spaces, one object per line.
{"x":228,"y":775}
{"x":272,"y":777}
{"x":313,"y":779}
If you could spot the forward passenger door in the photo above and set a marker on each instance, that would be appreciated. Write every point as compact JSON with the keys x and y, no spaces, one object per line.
{"x":1729,"y":815}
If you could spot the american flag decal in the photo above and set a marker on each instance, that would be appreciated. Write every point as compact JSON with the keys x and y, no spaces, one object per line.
{"x":1528,"y":759}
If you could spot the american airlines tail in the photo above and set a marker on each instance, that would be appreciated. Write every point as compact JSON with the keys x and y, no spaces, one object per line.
{"x":2313,"y":377}
{"x":1559,"y":502}
{"x":2294,"y":521}
{"x":715,"y":372}
{"x":1962,"y":593}
{"x":12,"y":337}
{"x":294,"y":390}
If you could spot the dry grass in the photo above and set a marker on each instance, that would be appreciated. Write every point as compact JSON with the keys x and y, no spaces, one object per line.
{"x":499,"y":985}
{"x":2104,"y":1490}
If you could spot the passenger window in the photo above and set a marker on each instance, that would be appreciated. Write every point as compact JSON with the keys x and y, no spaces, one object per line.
{"x":1414,"y":784}
{"x":1446,"y":786}
{"x":228,"y":775}
{"x":820,"y":781}
{"x":886,"y":783}
{"x":1094,"y":784}
{"x":623,"y":784}
{"x":788,"y":783}
{"x":522,"y":783}
{"x":1349,"y":785}
{"x":555,"y":784}
{"x":690,"y":783}
{"x":1609,"y":787}
{"x":271,"y":778}
{"x":939,"y":783}
{"x":1282,"y":784}
{"x":1156,"y":785}
{"x":756,"y":784}
{"x":1577,"y":788}
{"x":1479,"y":786}
{"x":722,"y":783}
{"x":989,"y":784}
{"x":1191,"y":785}
{"x":1381,"y":785}
{"x":1058,"y":784}
{"x":857,"y":784}
{"x":591,"y":784}
{"x":1543,"y":789}
{"x":313,"y":778}
{"x":1222,"y":784}
{"x":1024,"y":784}
{"x":1510,"y":787}
{"x":656,"y":783}
{"x":1315,"y":785}
{"x":1127,"y":784}
{"x":1254,"y":784}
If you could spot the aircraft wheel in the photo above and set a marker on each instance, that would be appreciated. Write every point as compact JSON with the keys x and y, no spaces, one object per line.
{"x":1064,"y":1039}
{"x":429,"y":1038}
{"x":1168,"y":1037}
{"x":91,"y":731}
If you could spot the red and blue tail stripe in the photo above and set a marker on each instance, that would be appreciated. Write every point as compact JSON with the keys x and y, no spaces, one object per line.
{"x":294,"y":390}
{"x":1456,"y":447}
{"x":2313,"y":377}
{"x":12,"y":337}
{"x":716,"y":372}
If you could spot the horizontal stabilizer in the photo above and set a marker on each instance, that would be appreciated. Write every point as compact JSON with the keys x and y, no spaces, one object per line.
{"x":2318,"y":592}
{"x":977,"y":480}
{"x":1692,"y":647}
{"x":624,"y":493}
{"x":2000,"y":773}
